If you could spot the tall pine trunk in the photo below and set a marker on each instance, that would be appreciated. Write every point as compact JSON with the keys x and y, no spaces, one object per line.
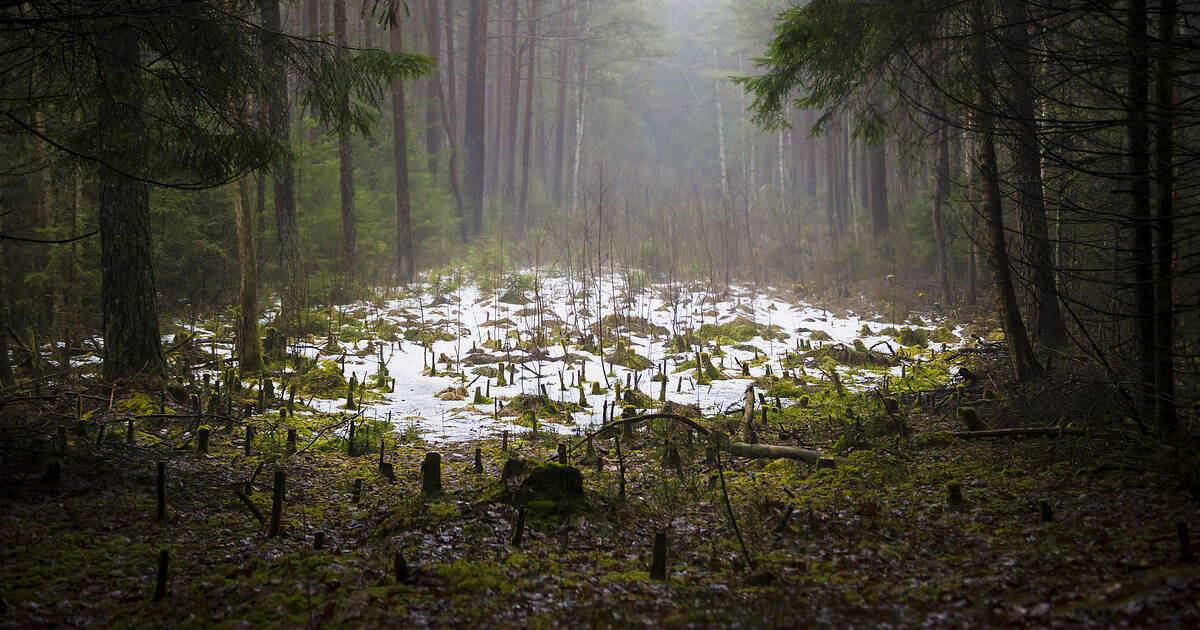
{"x":527,"y":139}
{"x":1024,"y":364}
{"x":286,"y":220}
{"x":249,"y":346}
{"x":1164,"y":254}
{"x":514,"y":98}
{"x":448,"y":104}
{"x":433,"y":89}
{"x":346,"y":164}
{"x":1142,"y":253}
{"x":560,"y":107}
{"x":1049,"y":325}
{"x":877,"y":187}
{"x":475,"y":131}
{"x":404,"y":267}
{"x":127,"y":289}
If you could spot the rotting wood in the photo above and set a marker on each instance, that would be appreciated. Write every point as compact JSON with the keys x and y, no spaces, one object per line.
{"x":1021,"y":432}
{"x":740,"y":449}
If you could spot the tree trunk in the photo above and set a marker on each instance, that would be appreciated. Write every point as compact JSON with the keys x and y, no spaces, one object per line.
{"x":941,"y":197}
{"x":476,"y":107}
{"x":514,"y":98}
{"x":250,"y":359}
{"x":433,"y":89}
{"x":131,"y":340}
{"x":1024,"y":364}
{"x":560,"y":107}
{"x":448,"y":104}
{"x":1164,"y":254}
{"x":7,"y":379}
{"x":128,"y":294}
{"x":404,"y":268}
{"x":878,"y":189}
{"x":580,"y":109}
{"x":812,"y":149}
{"x":1142,"y":252}
{"x":721,"y":147}
{"x":286,"y":220}
{"x":1049,"y":324}
{"x":346,"y":165}
{"x":522,"y":208}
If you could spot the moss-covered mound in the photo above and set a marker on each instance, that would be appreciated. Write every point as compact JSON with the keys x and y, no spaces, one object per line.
{"x":323,"y":381}
{"x":624,"y":356}
{"x":847,"y":355}
{"x":548,"y":490}
{"x":540,"y":406}
{"x":620,"y":323}
{"x":453,"y":393}
{"x":741,"y":329}
{"x":914,"y":337}
{"x":428,"y":334}
{"x":637,"y":399}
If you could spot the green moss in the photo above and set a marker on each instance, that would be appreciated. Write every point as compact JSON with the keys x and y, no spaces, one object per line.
{"x":323,"y":381}
{"x":914,"y":337}
{"x":624,"y":356}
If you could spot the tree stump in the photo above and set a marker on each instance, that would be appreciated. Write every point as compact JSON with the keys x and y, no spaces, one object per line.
{"x":954,"y":495}
{"x":658,"y":565}
{"x":431,"y":474}
{"x":277,"y":503}
{"x":161,"y":491}
{"x":160,"y":582}
{"x":202,"y":435}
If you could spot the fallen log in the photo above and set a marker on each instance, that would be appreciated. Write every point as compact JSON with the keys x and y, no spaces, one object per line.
{"x":739,"y":449}
{"x":769,"y":451}
{"x":1021,"y":432}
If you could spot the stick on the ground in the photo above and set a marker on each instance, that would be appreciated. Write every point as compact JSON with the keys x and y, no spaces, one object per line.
{"x":250,"y":506}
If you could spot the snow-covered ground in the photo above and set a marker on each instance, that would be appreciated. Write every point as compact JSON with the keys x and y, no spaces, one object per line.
{"x":479,"y":318}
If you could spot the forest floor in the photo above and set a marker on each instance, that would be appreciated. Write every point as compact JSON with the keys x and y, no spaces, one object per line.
{"x":872,"y":541}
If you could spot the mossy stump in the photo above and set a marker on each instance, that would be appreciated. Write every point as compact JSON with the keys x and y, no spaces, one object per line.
{"x":160,"y":582}
{"x":970,"y":418}
{"x":431,"y":474}
{"x":954,"y":495}
{"x":202,"y":435}
{"x":658,"y":564}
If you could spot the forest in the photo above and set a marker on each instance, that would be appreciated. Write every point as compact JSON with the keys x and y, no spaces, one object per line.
{"x":599,"y":313}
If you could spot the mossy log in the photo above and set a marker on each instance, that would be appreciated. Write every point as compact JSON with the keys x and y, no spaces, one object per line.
{"x":768,"y":451}
{"x":740,"y":449}
{"x":1020,"y":432}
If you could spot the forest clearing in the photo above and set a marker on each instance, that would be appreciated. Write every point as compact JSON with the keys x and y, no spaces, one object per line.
{"x":907,"y":519}
{"x":599,"y":313}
